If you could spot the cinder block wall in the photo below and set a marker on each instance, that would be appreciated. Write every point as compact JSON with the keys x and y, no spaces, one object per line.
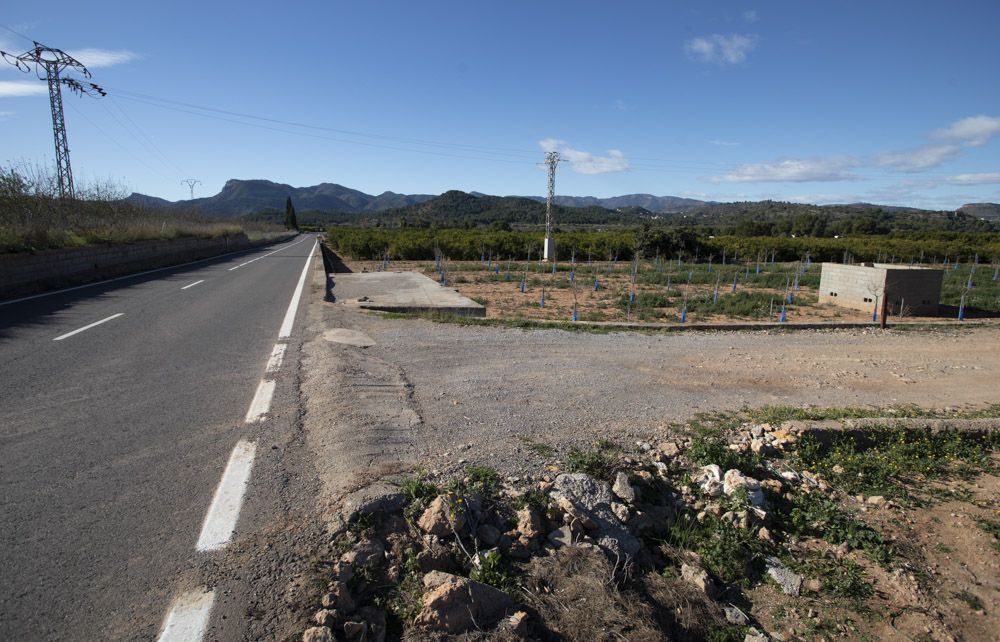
{"x":23,"y":273}
{"x":856,"y":286}
{"x":850,"y":285}
{"x":918,"y":290}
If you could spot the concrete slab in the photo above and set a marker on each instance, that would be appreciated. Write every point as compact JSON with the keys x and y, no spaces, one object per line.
{"x":349,"y":337}
{"x":401,"y":292}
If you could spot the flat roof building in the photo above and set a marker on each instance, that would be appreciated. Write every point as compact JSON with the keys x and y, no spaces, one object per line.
{"x":915,"y":290}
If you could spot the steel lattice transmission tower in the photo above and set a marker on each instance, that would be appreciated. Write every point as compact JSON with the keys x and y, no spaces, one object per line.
{"x":191,"y":182}
{"x":49,"y":64}
{"x":549,"y":251}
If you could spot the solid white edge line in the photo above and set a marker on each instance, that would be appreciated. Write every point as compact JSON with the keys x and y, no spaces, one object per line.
{"x":126,"y":276}
{"x":261,"y":403}
{"x":220,"y":521}
{"x":293,"y":306}
{"x":191,"y":285}
{"x":187,"y":619}
{"x":277,"y":356}
{"x":87,"y":327}
{"x":266,"y":255}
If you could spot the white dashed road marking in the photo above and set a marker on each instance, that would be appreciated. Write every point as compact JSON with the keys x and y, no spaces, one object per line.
{"x":87,"y":327}
{"x":277,"y":355}
{"x":225,"y":507}
{"x":261,"y":403}
{"x":188,"y":617}
{"x":191,"y":285}
{"x":293,"y":305}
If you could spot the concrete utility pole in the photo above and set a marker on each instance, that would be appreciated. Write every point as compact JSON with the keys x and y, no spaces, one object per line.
{"x":551,"y":160}
{"x":191,"y":182}
{"x":48,"y":64}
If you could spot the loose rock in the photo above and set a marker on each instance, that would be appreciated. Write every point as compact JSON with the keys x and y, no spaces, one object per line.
{"x":455,"y":604}
{"x":439,"y":518}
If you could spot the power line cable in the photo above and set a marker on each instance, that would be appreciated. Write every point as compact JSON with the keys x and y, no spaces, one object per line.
{"x":16,"y":33}
{"x":144,"y":140}
{"x":520,"y":153}
{"x":116,"y":142}
{"x":329,"y":138}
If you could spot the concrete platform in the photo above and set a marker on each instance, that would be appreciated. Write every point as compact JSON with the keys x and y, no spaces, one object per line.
{"x":401,"y":292}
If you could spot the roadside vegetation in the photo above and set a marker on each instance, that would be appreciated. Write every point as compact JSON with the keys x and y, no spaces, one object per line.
{"x":33,"y":217}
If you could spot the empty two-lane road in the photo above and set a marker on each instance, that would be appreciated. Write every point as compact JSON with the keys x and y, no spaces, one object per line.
{"x":121,"y":406}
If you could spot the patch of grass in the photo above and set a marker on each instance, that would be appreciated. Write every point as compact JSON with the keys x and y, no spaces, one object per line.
{"x":537,"y":447}
{"x":419,"y":494}
{"x":941,"y":548}
{"x":719,"y":633}
{"x":841,"y":578}
{"x":972,"y":601}
{"x":494,"y":570}
{"x":405,"y":598}
{"x":707,"y":448}
{"x":991,"y":527}
{"x":898,"y":456}
{"x":733,"y":555}
{"x":816,"y":515}
{"x":779,"y":414}
{"x":599,"y":462}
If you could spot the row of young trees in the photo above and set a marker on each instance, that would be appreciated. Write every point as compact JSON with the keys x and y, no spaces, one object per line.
{"x":464,"y":244}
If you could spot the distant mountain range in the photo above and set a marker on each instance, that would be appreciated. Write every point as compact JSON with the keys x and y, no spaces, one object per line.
{"x":985,"y":211}
{"x":329,"y":203}
{"x":241,"y":197}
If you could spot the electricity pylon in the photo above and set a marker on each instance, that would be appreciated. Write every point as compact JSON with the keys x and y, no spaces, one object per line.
{"x":549,"y":251}
{"x":191,"y":182}
{"x":48,"y":64}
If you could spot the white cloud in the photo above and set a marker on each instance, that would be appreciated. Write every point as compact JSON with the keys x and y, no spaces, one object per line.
{"x":93,"y":58}
{"x":974,"y":130}
{"x":720,"y":49}
{"x":793,"y":171}
{"x":750,"y":16}
{"x":585,"y":162}
{"x":13,"y":88}
{"x":919,"y":159}
{"x":981,"y":178}
{"x":621,"y":106}
{"x":723,"y":143}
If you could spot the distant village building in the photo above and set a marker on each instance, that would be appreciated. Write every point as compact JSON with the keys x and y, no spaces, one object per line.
{"x":916,"y":290}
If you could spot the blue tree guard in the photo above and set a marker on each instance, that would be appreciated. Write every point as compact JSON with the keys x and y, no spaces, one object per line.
{"x":734,"y":284}
{"x":875,"y":312}
{"x":784,"y":315}
{"x":961,"y":312}
{"x":574,"y":312}
{"x":791,"y":298}
{"x":572,"y":275}
{"x":996,"y":274}
{"x":684,"y":314}
{"x":631,"y":297}
{"x":597,"y":284}
{"x":968,"y":284}
{"x":541,"y":300}
{"x":522,"y":286}
{"x":715,"y":296}
{"x":553,"y":267}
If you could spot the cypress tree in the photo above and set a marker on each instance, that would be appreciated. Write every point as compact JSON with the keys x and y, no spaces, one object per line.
{"x":291,"y":222}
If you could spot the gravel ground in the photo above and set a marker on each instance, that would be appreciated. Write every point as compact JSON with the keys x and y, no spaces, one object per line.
{"x":442,"y":395}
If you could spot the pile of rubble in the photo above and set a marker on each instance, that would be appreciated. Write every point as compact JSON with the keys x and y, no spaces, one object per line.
{"x":448,"y":556}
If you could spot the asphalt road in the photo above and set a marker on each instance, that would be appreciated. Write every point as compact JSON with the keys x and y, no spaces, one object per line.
{"x":114,"y":439}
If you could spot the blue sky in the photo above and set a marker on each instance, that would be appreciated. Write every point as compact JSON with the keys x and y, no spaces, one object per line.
{"x":889,"y":102}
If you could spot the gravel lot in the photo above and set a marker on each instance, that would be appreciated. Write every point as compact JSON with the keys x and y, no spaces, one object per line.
{"x":442,"y":395}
